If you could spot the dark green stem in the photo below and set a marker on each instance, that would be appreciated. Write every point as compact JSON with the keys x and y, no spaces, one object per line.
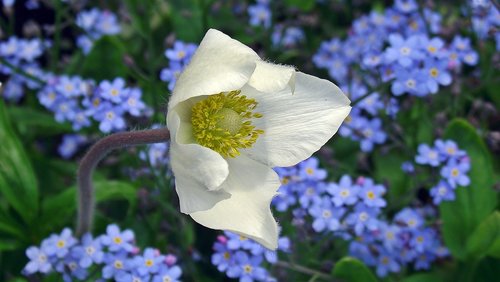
{"x":96,"y":153}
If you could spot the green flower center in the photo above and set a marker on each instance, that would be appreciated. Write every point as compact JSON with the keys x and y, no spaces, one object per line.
{"x":223,"y":123}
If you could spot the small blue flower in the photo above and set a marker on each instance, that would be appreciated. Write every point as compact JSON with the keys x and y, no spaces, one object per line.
{"x":437,"y":74}
{"x":309,"y":170}
{"x":170,"y":274}
{"x":409,"y":218}
{"x":110,"y":118}
{"x":407,"y":167}
{"x":422,"y":240}
{"x":455,"y":172}
{"x":363,"y":218}
{"x":114,"y":91}
{"x":116,"y":266}
{"x":424,"y":260}
{"x":39,"y":261}
{"x":449,"y":149}
{"x":236,"y":241}
{"x":372,"y":194}
{"x":117,"y":240}
{"x":181,"y":52}
{"x":69,"y":268}
{"x":149,"y":262}
{"x":29,"y":50}
{"x":70,"y":144}
{"x":247,"y":268}
{"x":405,"y":52}
{"x":90,"y":251}
{"x":223,"y":256}
{"x":427,"y":155}
{"x":325,"y":215}
{"x":59,"y":245}
{"x":260,"y":15}
{"x":133,"y":104}
{"x":372,"y":134}
{"x":442,"y":192}
{"x":386,"y":263}
{"x":406,"y":6}
{"x":344,"y":193}
{"x":409,"y":81}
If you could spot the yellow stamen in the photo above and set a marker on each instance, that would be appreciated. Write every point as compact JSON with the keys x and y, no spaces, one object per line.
{"x":223,"y":123}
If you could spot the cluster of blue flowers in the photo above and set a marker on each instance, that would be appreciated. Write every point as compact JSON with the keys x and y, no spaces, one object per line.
{"x":242,"y":258}
{"x":95,"y":23}
{"x":485,"y":20}
{"x":454,"y":163}
{"x":179,"y":56}
{"x":23,"y":54}
{"x":76,"y":100}
{"x":70,"y":144}
{"x":260,"y":13}
{"x":397,"y":48}
{"x":111,"y":256}
{"x":352,"y":210}
{"x":287,"y":37}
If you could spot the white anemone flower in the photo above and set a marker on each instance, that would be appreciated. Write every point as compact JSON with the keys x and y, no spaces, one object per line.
{"x":232,"y":117}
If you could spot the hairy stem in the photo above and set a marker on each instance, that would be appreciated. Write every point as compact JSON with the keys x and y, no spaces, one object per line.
{"x":96,"y":153}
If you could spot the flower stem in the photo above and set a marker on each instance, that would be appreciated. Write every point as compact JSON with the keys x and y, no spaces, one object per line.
{"x":305,"y":270}
{"x":97,"y":152}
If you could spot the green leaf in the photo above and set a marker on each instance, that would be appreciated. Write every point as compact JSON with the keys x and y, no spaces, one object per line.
{"x":474,"y":203}
{"x":9,"y":225}
{"x":105,"y":60}
{"x":352,"y":270}
{"x":59,"y":209}
{"x":30,"y":120}
{"x":424,"y":277}
{"x":485,"y":235}
{"x":304,"y":5}
{"x":18,"y":184}
{"x":398,"y":183}
{"x":9,"y":245}
{"x":187,"y":19}
{"x":495,"y":249}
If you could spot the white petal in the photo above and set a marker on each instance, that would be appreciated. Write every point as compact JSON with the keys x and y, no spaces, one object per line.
{"x":252,"y":186}
{"x":269,"y":77}
{"x":296,"y":124}
{"x":193,"y":196}
{"x":202,"y":164}
{"x":219,"y":64}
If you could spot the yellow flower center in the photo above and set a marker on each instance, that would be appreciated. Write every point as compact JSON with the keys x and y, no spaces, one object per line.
{"x":118,"y":264}
{"x":247,"y":268}
{"x":117,"y":240}
{"x":227,"y":255}
{"x":434,"y":72}
{"x":61,"y":243}
{"x":385,"y":260}
{"x":114,"y":92}
{"x":310,"y":171}
{"x":223,"y":123}
{"x":370,"y":195}
{"x":432,"y":49}
{"x":454,"y":172}
{"x":149,"y":262}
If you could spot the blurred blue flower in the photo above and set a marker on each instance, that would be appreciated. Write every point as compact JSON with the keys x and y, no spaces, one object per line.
{"x":39,"y":261}
{"x":117,"y":240}
{"x":260,"y":15}
{"x":427,"y":155}
{"x":70,"y":144}
{"x":455,"y":172}
{"x":247,"y":268}
{"x":371,"y":193}
{"x":345,"y":192}
{"x":325,"y":215}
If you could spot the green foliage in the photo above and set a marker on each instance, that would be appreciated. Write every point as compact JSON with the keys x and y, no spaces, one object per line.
{"x":484,"y":237}
{"x":105,"y":60}
{"x":474,"y":203}
{"x":189,"y":19}
{"x":304,"y":5}
{"x":18,"y":184}
{"x":352,"y":270}
{"x":64,"y":204}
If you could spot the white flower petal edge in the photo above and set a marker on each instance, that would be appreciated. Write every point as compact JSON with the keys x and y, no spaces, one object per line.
{"x":220,"y":64}
{"x":270,"y":78}
{"x":252,"y":186}
{"x":296,"y":124}
{"x":201,"y":164}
